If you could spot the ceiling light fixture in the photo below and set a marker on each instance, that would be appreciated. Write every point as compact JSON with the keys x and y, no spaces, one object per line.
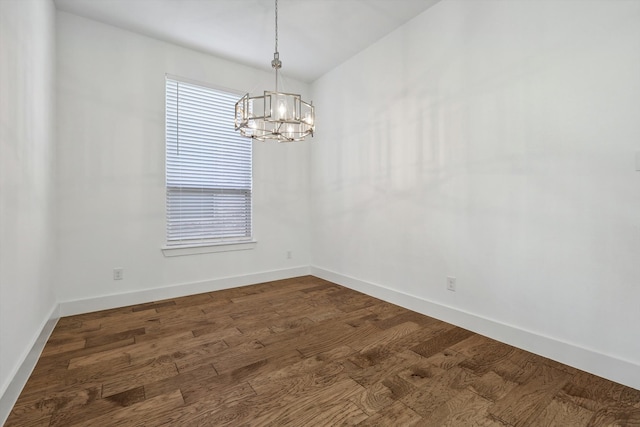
{"x":277,"y":116}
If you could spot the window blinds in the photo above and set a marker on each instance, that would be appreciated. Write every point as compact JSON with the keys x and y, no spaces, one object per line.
{"x":208,"y":167}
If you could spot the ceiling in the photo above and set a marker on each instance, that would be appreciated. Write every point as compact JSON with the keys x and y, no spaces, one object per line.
{"x":314,"y":35}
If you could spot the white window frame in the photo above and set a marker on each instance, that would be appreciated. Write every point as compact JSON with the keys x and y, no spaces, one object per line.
{"x":214,"y":159}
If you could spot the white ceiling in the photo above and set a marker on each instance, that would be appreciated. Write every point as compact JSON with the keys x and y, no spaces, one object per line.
{"x":314,"y":35}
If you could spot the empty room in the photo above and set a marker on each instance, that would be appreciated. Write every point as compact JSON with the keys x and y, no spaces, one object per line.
{"x":320,"y":212}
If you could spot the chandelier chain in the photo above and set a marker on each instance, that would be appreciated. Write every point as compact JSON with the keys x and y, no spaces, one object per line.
{"x":276,"y":25}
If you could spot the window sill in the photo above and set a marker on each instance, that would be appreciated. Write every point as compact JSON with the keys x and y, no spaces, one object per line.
{"x":171,"y":251}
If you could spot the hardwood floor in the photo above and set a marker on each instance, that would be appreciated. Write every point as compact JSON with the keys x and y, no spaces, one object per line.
{"x":300,"y":352}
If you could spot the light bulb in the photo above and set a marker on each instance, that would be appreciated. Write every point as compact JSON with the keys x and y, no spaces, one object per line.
{"x":308,"y":119}
{"x":282,"y":109}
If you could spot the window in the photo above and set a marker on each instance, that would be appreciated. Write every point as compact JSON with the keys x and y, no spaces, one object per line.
{"x":208,"y":168}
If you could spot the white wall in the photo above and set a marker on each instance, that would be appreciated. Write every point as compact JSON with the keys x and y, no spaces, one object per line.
{"x":492,"y":141}
{"x":27,"y":72}
{"x":111,"y":196}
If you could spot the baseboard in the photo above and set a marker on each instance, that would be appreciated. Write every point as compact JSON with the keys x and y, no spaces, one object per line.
{"x":597,"y":363}
{"x":11,"y":392}
{"x":105,"y":302}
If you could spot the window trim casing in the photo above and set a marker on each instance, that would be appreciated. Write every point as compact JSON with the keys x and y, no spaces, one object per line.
{"x":207,"y":248}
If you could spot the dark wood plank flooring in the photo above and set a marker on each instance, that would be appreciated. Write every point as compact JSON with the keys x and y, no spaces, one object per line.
{"x":299,"y":352}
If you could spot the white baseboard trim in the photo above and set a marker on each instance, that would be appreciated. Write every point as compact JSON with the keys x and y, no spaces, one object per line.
{"x":604,"y":365}
{"x":105,"y":302}
{"x":9,"y":395}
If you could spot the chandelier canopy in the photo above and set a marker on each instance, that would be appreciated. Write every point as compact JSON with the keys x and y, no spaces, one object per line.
{"x":277,"y":116}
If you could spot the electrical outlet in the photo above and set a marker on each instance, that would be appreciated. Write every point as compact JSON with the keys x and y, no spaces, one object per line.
{"x":118,"y":273}
{"x":451,"y":283}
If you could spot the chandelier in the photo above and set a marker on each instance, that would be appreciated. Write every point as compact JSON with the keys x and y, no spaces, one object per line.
{"x":277,"y":116}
